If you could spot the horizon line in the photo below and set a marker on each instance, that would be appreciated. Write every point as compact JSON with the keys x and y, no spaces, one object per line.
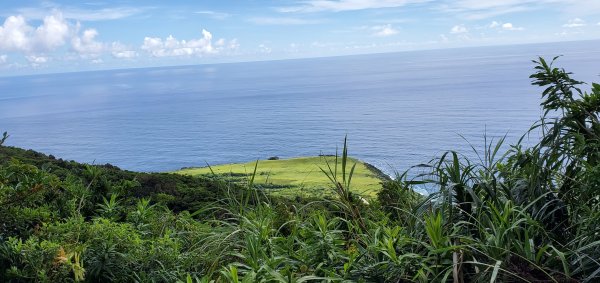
{"x":294,"y":59}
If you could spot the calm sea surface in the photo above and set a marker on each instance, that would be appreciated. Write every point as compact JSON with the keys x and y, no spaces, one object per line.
{"x":397,"y":109}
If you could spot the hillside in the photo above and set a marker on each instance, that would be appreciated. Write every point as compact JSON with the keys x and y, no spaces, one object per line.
{"x":178,"y":192}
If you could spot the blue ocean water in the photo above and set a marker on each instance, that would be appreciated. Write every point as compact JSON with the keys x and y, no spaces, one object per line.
{"x":398,"y":109}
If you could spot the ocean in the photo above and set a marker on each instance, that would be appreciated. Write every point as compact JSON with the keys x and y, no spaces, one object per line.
{"x":397,"y":109}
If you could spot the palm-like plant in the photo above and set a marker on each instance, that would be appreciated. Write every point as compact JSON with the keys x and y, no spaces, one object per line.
{"x":110,"y":208}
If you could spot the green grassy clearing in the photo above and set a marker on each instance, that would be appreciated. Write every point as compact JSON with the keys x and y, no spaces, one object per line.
{"x":296,"y":176}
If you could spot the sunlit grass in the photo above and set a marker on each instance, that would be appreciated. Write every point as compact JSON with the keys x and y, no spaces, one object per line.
{"x":295,"y":177}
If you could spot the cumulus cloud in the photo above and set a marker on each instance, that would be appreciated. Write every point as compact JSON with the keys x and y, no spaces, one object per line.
{"x":575,"y":23}
{"x":17,"y":35}
{"x":504,"y":26}
{"x":384,"y":30}
{"x":226,"y":45}
{"x":126,"y":54}
{"x":53,"y":32}
{"x":170,"y":46}
{"x":510,"y":26}
{"x":457,"y":29}
{"x":56,"y":38}
{"x":37,"y":43}
{"x":37,"y":60}
{"x":86,"y":45}
{"x":122,"y":51}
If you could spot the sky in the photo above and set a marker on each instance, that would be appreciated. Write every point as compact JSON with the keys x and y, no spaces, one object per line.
{"x":66,"y":36}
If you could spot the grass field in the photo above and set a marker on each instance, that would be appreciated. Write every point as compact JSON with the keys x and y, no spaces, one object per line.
{"x":296,"y":176}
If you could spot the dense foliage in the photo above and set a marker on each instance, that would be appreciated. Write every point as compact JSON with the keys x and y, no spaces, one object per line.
{"x":529,"y":215}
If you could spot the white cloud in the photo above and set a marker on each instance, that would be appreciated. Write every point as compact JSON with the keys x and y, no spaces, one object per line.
{"x":504,"y":26}
{"x":121,"y":51}
{"x":569,"y":33}
{"x":170,"y":46}
{"x":346,"y":5}
{"x":126,"y":54}
{"x":17,"y":35}
{"x":457,"y":29}
{"x":575,"y":23}
{"x":37,"y":44}
{"x":385,"y":30}
{"x":53,"y":32}
{"x":37,"y":60}
{"x":86,"y":45}
{"x":509,"y":26}
{"x":225,"y":45}
{"x":34,"y":42}
{"x":282,"y":21}
{"x":57,"y":38}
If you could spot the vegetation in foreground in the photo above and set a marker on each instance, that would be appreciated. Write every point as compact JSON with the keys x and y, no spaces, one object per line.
{"x":295,"y":177}
{"x":530,"y":215}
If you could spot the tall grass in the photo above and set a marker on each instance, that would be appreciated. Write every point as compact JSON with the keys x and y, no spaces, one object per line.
{"x":503,"y":217}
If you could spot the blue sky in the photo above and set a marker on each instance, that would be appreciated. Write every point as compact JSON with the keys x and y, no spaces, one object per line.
{"x":57,"y":36}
